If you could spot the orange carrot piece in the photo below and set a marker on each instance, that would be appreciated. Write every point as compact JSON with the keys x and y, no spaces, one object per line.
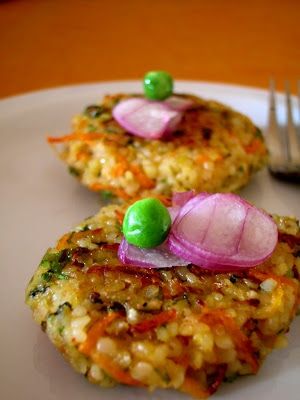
{"x":95,"y":332}
{"x":256,"y":146}
{"x":142,"y":178}
{"x":120,"y":217}
{"x":105,"y":362}
{"x":63,"y":242}
{"x":201,"y":158}
{"x":167,"y":201}
{"x":116,"y":191}
{"x":119,"y":170}
{"x":84,"y":137}
{"x":75,"y":136}
{"x":82,"y":155}
{"x":261,"y":276}
{"x":242,"y":343}
{"x":194,"y":388}
{"x":282,"y":280}
{"x":112,"y":369}
{"x":157,"y":320}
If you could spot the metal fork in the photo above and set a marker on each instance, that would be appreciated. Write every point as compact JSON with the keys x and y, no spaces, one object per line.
{"x":284,"y":148}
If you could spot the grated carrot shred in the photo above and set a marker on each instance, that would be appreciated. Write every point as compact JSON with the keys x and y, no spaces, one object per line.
{"x":167,"y":201}
{"x":152,"y":323}
{"x":282,"y":280}
{"x":120,"y":216}
{"x":84,"y":137}
{"x":95,"y":332}
{"x":106,"y":363}
{"x":242,"y":343}
{"x":194,"y":388}
{"x":201,"y":158}
{"x":63,"y":242}
{"x":142,"y":178}
{"x":261,"y":276}
{"x":256,"y":146}
{"x":112,"y":369}
{"x":116,"y":191}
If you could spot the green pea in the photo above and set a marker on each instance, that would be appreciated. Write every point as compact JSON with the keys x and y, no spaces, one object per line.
{"x":158,"y":85}
{"x":146,"y":223}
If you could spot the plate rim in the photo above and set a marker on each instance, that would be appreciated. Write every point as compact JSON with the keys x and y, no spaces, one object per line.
{"x":77,"y":86}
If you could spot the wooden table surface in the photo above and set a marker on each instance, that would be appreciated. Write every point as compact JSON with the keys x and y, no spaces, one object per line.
{"x":47,"y":43}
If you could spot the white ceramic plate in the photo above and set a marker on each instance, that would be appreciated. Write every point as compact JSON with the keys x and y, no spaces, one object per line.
{"x":40,"y":202}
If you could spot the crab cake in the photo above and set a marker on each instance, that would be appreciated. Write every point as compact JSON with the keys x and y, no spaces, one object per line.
{"x":213,"y":149}
{"x":182,"y":327}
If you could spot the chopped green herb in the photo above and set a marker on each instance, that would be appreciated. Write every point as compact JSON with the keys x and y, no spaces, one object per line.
{"x":44,"y":326}
{"x":289,"y":274}
{"x":54,"y":263}
{"x":231,"y":378}
{"x":46,"y":276}
{"x":69,"y":241}
{"x":93,"y":111}
{"x":74,"y":171}
{"x":112,"y":129}
{"x":38,"y":290}
{"x":118,"y":227}
{"x":281,"y":331}
{"x":106,"y":194}
{"x":45,"y":263}
{"x":105,"y":117}
{"x":61,"y":330}
{"x":62,"y":276}
{"x":91,"y":128}
{"x":83,"y":228}
{"x":164,"y":375}
{"x":258,"y":133}
{"x":62,"y":307}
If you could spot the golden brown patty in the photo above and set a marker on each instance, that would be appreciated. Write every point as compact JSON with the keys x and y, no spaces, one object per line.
{"x":183,"y":327}
{"x":214,"y":149}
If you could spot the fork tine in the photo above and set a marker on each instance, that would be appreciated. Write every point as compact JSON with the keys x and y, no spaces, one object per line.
{"x":299,"y":97}
{"x":292,"y":140}
{"x":273,"y":138}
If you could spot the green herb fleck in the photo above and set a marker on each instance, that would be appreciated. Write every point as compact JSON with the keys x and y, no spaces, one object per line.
{"x":46,"y":276}
{"x":106,"y":194}
{"x":112,"y":129}
{"x":91,"y":128}
{"x":83,"y":228}
{"x":38,"y":290}
{"x":93,"y":111}
{"x":289,"y":274}
{"x":258,"y":133}
{"x":164,"y":375}
{"x":118,"y":227}
{"x":74,"y":171}
{"x":62,"y":307}
{"x":105,"y":117}
{"x":61,"y":330}
{"x":231,"y":378}
{"x":62,"y":276}
{"x":52,"y":262}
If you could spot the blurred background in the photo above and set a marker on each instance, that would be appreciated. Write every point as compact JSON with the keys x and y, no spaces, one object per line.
{"x":48,"y":43}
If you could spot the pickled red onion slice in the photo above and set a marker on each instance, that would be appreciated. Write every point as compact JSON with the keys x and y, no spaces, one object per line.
{"x":179,"y":103}
{"x":222,"y":232}
{"x":158,"y":257}
{"x":147,"y":119}
{"x":180,"y":198}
